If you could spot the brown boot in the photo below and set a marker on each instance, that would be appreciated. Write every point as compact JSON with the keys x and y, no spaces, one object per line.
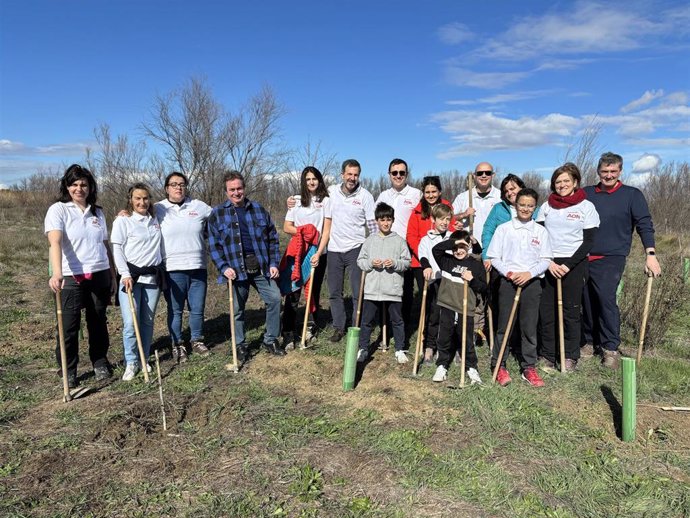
{"x":611,"y":359}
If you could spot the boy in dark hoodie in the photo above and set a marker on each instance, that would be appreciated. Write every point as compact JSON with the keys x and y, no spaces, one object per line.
{"x":456,"y":270}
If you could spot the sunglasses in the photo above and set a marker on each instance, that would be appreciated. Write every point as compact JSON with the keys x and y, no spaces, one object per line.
{"x":483,"y":173}
{"x":398,"y":173}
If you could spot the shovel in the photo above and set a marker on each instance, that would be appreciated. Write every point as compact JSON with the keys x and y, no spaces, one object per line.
{"x":234,"y":366}
{"x":78,"y":392}
{"x":140,"y":346}
{"x":509,"y":329}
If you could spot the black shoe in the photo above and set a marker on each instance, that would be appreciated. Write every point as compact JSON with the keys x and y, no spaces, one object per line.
{"x":337,"y":335}
{"x":242,"y":353}
{"x":102,"y":373}
{"x":72,"y":381}
{"x":274,"y":348}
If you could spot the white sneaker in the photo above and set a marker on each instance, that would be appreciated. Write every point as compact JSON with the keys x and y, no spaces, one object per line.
{"x":401,"y":357}
{"x":149,"y":369}
{"x":361,"y":355}
{"x":441,"y":374}
{"x":473,"y":374}
{"x":130,"y":371}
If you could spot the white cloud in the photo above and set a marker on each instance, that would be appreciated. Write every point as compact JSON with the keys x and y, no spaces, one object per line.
{"x":502,"y":98}
{"x":464,"y":77}
{"x":476,"y":131}
{"x":646,"y":98}
{"x":14,"y":148}
{"x":637,"y":180}
{"x":9,"y":147}
{"x":647,"y":163}
{"x":454,"y":33}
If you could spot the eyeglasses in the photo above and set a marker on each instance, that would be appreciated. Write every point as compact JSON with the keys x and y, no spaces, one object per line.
{"x":483,"y":173}
{"x":176,"y":185}
{"x":398,"y":173}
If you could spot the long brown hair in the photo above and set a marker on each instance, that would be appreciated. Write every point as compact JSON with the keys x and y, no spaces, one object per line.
{"x":305,"y":194}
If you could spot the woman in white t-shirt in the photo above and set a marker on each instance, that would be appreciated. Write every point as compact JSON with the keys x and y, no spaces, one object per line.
{"x":313,"y":206}
{"x":571,"y":221}
{"x":82,"y":269}
{"x":183,"y":228}
{"x":137,"y":251}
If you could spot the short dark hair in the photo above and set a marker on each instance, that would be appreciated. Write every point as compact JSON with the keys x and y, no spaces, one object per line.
{"x":176,"y":173}
{"x":229,"y":176}
{"x":383,"y":210}
{"x":510,"y":178}
{"x":397,"y":161}
{"x":350,"y":162}
{"x":527,"y":192}
{"x":143,"y":187}
{"x":460,"y":235}
{"x":572,"y":171}
{"x":72,"y":174}
{"x":609,"y":158}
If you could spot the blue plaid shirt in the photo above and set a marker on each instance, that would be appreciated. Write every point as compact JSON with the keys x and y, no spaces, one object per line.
{"x":225,"y":240}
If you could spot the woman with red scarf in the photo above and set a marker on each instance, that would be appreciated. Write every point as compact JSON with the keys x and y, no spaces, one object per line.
{"x":571,"y":221}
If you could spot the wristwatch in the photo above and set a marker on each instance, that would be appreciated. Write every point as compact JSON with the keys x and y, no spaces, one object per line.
{"x":651,"y":252}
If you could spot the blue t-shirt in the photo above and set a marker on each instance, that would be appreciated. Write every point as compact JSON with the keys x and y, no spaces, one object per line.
{"x":247,"y":246}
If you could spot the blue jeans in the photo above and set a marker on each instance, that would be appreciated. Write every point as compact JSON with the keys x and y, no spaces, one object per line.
{"x":145,"y":301}
{"x":186,"y":286}
{"x":270,"y":294}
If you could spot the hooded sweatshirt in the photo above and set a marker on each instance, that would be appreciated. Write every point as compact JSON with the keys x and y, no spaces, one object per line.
{"x":450,"y":291}
{"x":384,"y":283}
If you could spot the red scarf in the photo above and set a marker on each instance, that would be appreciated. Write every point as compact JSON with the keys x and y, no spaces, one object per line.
{"x":563,"y":202}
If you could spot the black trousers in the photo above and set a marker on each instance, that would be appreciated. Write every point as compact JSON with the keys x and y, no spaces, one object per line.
{"x":602,"y":318}
{"x":450,"y":338}
{"x":370,"y":310}
{"x":290,"y":324}
{"x":432,"y":310}
{"x":572,"y":284}
{"x":527,"y":315}
{"x":93,"y":296}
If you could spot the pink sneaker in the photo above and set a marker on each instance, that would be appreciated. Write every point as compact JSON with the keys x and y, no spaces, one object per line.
{"x":530,"y":376}
{"x":503,"y":378}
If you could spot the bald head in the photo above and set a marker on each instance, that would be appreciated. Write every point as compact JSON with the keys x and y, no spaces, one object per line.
{"x":483,"y":175}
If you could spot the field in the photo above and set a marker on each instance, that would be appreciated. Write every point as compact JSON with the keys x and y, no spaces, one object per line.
{"x":281,"y":438}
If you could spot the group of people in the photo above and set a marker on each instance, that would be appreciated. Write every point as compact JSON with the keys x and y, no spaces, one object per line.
{"x":470,"y":257}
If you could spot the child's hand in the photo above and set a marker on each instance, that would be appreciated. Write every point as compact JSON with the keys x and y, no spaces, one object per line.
{"x":467,"y":275}
{"x":388,"y":263}
{"x":558,"y":270}
{"x":520,"y":278}
{"x":428,"y":273}
{"x":377,"y":263}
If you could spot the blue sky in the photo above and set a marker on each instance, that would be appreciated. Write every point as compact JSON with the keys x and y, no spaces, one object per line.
{"x":444,"y":84}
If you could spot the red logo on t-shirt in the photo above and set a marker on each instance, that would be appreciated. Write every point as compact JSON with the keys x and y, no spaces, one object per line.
{"x":192,"y":213}
{"x":408,"y":202}
{"x":356,"y":202}
{"x":95,"y":222}
{"x":573,"y":216}
{"x":535,"y":242}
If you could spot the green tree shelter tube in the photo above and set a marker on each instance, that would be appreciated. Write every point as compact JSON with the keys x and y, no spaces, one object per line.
{"x":350,"y":368}
{"x":629,"y":371}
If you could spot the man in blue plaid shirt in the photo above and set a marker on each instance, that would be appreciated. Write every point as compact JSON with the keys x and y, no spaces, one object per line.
{"x":244,"y":247}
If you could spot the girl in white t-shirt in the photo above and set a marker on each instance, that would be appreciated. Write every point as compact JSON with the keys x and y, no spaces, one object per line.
{"x":571,"y":221}
{"x":313,"y":206}
{"x":137,"y":250}
{"x":82,"y":269}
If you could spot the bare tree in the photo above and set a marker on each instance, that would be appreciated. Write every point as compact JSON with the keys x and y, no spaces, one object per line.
{"x":202,"y":140}
{"x":118,"y":163}
{"x":585,"y":152}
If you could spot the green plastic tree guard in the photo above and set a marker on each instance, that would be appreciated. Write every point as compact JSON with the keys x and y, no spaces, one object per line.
{"x":629,"y":371}
{"x":350,"y":368}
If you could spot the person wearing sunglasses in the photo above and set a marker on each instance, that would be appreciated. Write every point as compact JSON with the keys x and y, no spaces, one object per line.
{"x":484,"y":197}
{"x":403,"y":198}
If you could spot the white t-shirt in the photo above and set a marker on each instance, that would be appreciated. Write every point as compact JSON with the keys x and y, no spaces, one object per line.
{"x":314,"y":214}
{"x":136,"y":239}
{"x":483,"y":207}
{"x":520,"y":247}
{"x":83,"y":234}
{"x":403,"y":203}
{"x":426,"y":245}
{"x":183,"y":228}
{"x":352,"y":215}
{"x":565,"y":226}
